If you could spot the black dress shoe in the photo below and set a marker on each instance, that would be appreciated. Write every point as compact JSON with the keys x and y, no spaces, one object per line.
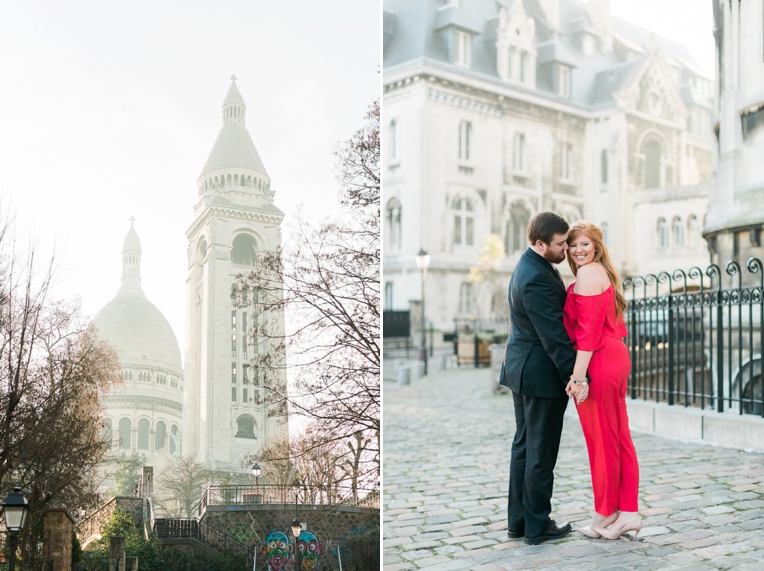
{"x":554,"y":531}
{"x":515,"y":533}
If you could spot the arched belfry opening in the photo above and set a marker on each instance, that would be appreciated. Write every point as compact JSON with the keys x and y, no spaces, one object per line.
{"x":244,"y":250}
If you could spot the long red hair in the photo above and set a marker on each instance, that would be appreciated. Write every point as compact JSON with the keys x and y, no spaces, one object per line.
{"x":601,"y":255}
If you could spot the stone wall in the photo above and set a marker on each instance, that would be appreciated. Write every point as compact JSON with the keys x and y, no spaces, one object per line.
{"x":252,"y":524}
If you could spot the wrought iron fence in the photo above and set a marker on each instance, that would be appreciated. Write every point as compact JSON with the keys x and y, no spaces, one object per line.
{"x":409,"y":347}
{"x":695,"y":337}
{"x":250,"y":495}
{"x":191,"y":528}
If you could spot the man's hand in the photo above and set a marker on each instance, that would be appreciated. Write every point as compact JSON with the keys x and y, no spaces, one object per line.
{"x":572,"y":389}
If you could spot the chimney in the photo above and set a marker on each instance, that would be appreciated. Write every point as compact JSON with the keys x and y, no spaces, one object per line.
{"x":552,"y":12}
{"x":599,"y":14}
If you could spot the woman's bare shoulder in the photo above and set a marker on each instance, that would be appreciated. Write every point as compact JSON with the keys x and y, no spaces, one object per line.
{"x":591,"y":279}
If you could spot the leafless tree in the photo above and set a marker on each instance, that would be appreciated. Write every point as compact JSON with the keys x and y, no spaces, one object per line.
{"x":180,"y":487}
{"x":53,"y":367}
{"x":326,"y":280}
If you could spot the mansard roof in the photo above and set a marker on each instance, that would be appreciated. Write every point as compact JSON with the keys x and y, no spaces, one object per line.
{"x":413,"y":35}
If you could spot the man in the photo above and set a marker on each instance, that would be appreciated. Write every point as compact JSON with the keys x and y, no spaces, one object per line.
{"x":537,"y":368}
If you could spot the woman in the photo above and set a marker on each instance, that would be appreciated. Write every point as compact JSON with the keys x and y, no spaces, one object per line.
{"x":593,"y":316}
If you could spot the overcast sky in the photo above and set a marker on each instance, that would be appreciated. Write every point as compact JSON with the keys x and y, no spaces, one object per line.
{"x":687,"y":22}
{"x":109,"y":109}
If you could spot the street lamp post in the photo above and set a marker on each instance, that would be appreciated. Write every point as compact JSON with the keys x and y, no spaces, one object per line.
{"x":422,"y":261}
{"x":296,"y":529}
{"x":256,"y":474}
{"x":15,"y":509}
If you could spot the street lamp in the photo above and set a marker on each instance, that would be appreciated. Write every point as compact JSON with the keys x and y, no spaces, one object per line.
{"x":296,"y":529}
{"x":422,"y":261}
{"x":256,"y":474}
{"x":15,"y":509}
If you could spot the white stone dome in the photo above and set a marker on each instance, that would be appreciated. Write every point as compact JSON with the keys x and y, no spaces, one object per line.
{"x":139,"y":332}
{"x":233,"y":149}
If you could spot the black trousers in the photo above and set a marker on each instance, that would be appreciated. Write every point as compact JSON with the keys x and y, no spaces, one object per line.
{"x":534,"y":455}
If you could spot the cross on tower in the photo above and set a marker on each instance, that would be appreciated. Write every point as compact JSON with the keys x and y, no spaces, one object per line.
{"x":233,"y":78}
{"x":132,"y":219}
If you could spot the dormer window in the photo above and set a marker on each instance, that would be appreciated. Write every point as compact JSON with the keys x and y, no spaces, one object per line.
{"x":462,"y":48}
{"x":516,"y":47}
{"x":563,"y":80}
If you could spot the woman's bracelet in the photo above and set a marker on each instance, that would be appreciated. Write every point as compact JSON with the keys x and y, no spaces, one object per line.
{"x":579,"y":381}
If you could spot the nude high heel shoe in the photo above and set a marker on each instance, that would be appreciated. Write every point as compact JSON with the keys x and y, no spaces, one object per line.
{"x":614,"y":532}
{"x":591,"y":530}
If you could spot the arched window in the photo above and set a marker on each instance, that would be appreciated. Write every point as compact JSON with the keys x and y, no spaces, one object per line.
{"x":235,"y":179}
{"x":174,"y":440}
{"x":244,"y":250}
{"x":693,"y":231}
{"x":394,"y":231}
{"x":125,"y":428}
{"x":678,"y":231}
{"x":143,"y":434}
{"x":160,"y":435}
{"x":106,"y":432}
{"x":604,"y":229}
{"x":663,"y":233}
{"x":465,"y":134}
{"x":518,"y":157}
{"x":652,"y":152}
{"x":517,"y":227}
{"x":245,"y":427}
{"x":603,"y":165}
{"x":464,"y":223}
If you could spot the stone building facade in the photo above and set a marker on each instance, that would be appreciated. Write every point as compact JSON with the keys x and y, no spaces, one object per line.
{"x":736,"y":214}
{"x":497,"y":110}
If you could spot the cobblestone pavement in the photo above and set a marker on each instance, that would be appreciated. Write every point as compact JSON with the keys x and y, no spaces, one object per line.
{"x":446,"y":445}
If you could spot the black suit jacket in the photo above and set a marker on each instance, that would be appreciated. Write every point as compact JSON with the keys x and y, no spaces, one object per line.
{"x":539,"y":357}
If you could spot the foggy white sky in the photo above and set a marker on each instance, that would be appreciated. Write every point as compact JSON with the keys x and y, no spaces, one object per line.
{"x":109,"y":109}
{"x":687,"y":22}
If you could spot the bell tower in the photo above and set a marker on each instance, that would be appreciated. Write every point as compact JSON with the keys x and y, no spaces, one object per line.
{"x":234,"y":221}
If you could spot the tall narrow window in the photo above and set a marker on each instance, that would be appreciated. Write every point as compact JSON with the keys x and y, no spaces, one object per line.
{"x":518,"y":157}
{"x":523,"y":66}
{"x":652,"y":151}
{"x":125,"y":430}
{"x":511,"y":65}
{"x":563,"y":80}
{"x":604,"y":229}
{"x":465,"y":133}
{"x":516,"y":229}
{"x":567,"y":162}
{"x":693,"y":231}
{"x":393,"y":140}
{"x":389,"y":296}
{"x":394,"y":225}
{"x":462,"y":48}
{"x":603,"y":165}
{"x":663,"y":233}
{"x":464,"y":223}
{"x":143,"y":434}
{"x":678,"y":232}
{"x":160,"y":435}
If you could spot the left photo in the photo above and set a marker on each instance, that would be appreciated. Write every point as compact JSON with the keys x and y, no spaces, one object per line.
{"x":189,"y":286}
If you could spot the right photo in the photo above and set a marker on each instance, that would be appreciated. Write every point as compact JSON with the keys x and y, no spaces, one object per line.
{"x":572,"y":214}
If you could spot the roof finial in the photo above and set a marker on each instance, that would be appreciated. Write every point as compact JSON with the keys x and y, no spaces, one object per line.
{"x":132,"y":220}
{"x":233,"y":78}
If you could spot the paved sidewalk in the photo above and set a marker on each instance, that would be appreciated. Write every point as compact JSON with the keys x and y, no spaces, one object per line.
{"x":447,"y":442}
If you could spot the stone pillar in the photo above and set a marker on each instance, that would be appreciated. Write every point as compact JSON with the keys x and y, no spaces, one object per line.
{"x":58,"y":527}
{"x":116,"y":553}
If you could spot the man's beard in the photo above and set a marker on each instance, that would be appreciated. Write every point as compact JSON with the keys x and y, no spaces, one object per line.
{"x":553,"y":258}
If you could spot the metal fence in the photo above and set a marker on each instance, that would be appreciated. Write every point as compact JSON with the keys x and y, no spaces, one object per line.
{"x":473,"y":337}
{"x":408,"y":347}
{"x":695,"y":337}
{"x":250,"y":495}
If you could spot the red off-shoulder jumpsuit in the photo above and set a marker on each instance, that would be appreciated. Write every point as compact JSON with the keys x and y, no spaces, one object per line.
{"x":592,"y":326}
